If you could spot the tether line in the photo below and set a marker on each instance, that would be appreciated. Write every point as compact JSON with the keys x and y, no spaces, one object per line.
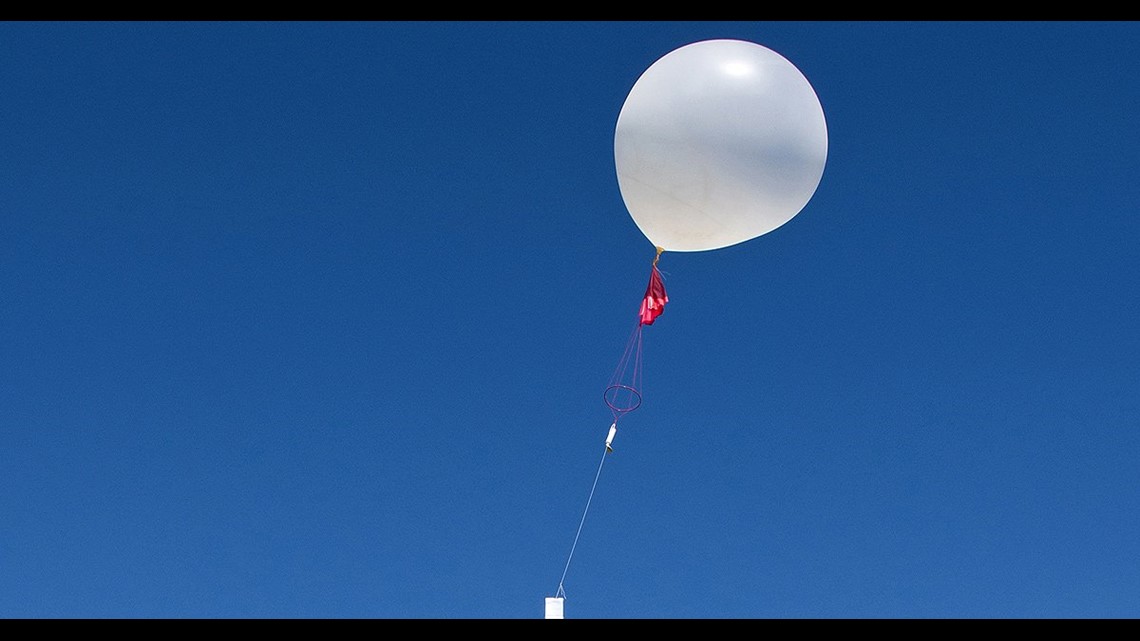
{"x":561,"y":592}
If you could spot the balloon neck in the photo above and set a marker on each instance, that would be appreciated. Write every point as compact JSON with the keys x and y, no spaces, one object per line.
{"x":660,"y":250}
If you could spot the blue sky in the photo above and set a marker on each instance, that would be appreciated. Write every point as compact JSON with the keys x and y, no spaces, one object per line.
{"x":313,"y":320}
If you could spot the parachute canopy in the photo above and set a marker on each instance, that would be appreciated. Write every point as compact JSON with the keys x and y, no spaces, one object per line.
{"x":653,"y":305}
{"x":718,"y":142}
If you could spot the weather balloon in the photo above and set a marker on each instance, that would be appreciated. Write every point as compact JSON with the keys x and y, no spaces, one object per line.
{"x":718,"y":142}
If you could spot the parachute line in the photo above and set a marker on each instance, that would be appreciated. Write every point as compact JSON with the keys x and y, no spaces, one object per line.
{"x":623,"y":393}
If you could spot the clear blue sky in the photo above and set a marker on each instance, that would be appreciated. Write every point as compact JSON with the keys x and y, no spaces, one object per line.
{"x":314,"y":319}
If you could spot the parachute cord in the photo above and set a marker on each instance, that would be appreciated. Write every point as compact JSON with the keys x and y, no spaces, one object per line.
{"x":561,"y":592}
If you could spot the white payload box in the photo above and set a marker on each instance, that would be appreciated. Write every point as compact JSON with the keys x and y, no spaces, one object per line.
{"x":554,"y":607}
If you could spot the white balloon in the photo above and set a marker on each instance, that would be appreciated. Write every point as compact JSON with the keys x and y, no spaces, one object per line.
{"x":718,"y":142}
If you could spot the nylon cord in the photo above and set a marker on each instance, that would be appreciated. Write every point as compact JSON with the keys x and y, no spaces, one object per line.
{"x":561,"y":592}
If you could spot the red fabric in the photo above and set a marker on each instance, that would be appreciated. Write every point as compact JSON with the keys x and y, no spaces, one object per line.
{"x":654,"y":302}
